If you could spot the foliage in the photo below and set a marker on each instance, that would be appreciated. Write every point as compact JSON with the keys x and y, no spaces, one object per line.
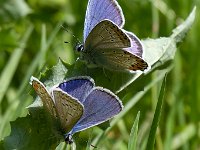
{"x":32,"y":40}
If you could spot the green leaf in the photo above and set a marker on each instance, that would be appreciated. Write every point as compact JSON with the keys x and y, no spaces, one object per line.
{"x":180,"y":32}
{"x":156,"y":119}
{"x":31,"y":132}
{"x":133,"y":136}
{"x":156,"y":48}
{"x":55,"y":75}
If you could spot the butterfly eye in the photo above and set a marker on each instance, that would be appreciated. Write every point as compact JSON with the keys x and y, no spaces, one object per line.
{"x":79,"y":47}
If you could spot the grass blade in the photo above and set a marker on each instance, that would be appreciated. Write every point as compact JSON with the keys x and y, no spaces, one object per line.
{"x":156,"y":119}
{"x":10,"y":68}
{"x":133,"y":136}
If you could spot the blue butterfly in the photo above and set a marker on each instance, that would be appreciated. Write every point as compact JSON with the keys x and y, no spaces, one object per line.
{"x":106,"y":44}
{"x":77,"y":104}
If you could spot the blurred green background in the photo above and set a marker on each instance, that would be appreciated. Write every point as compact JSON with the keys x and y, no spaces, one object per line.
{"x":31,"y":38}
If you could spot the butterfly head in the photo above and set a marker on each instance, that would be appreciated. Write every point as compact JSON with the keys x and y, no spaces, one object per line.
{"x":68,"y":139}
{"x":79,"y":48}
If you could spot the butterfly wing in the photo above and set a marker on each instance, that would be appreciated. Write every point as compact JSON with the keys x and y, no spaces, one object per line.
{"x":136,"y":45}
{"x":78,"y":87}
{"x":44,"y":95}
{"x":106,"y":34}
{"x":104,"y":47}
{"x":69,"y":109}
{"x":100,"y":106}
{"x":98,"y":10}
{"x":119,"y":59}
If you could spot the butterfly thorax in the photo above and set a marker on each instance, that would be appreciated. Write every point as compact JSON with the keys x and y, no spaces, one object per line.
{"x":86,"y":55}
{"x":82,"y":52}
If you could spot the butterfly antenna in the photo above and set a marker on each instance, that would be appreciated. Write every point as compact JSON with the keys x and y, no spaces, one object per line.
{"x":77,"y":40}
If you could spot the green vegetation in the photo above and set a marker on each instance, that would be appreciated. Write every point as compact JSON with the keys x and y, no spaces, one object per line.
{"x":32,"y":41}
